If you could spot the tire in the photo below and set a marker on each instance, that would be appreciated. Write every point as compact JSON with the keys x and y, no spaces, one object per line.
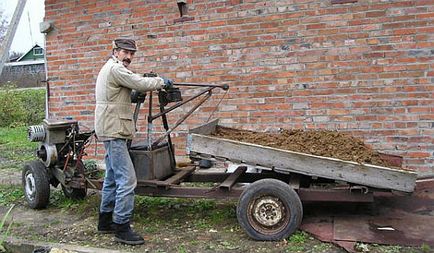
{"x":35,"y":185}
{"x":74,"y":193}
{"x":269,"y":210}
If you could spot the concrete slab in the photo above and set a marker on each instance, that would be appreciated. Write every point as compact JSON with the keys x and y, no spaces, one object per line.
{"x":16,"y":245}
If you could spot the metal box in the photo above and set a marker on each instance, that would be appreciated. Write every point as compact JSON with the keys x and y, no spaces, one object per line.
{"x":56,"y":130}
{"x":155,"y":164}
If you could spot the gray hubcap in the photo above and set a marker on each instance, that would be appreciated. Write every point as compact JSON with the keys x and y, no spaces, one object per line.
{"x":30,"y":186}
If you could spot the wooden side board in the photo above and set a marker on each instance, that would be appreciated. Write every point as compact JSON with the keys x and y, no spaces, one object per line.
{"x":306,"y":164}
{"x":207,"y":128}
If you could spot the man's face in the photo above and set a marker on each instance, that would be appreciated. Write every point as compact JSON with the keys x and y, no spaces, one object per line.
{"x":125,"y":56}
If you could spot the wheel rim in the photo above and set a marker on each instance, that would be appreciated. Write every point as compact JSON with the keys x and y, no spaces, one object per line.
{"x":30,"y":186}
{"x":268,"y":214}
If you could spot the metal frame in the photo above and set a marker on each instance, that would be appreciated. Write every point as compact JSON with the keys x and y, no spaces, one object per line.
{"x":228,"y":188}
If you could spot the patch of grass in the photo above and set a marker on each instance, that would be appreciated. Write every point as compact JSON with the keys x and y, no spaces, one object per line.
{"x":156,"y":202}
{"x":15,"y":137}
{"x":182,"y":249}
{"x":376,"y":248}
{"x":389,"y":249}
{"x":228,"y":245}
{"x":80,"y":207}
{"x":204,"y":214}
{"x":15,"y":148}
{"x":425,"y":248}
{"x":322,"y":248}
{"x":21,"y":107}
{"x":223,"y":214}
{"x":10,"y":195}
{"x":202,"y":205}
{"x":202,"y":224}
{"x":91,"y":169}
{"x":4,"y":232}
{"x":297,"y":242}
{"x":298,"y":237}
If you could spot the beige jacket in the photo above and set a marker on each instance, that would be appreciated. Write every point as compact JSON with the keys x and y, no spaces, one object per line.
{"x":113,"y":111}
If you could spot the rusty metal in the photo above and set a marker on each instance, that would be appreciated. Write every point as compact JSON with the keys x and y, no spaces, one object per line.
{"x":189,"y":192}
{"x":164,"y":111}
{"x":232,"y":178}
{"x":244,"y":178}
{"x":166,"y":189}
{"x":150,"y":119}
{"x":294,"y":182}
{"x":224,"y":86}
{"x":95,"y":184}
{"x":394,"y":219}
{"x":179,"y":176}
{"x":268,"y":214}
{"x":173,"y":107}
{"x":182,"y":119}
{"x":393,"y":227}
{"x":323,"y":195}
{"x":425,"y":188}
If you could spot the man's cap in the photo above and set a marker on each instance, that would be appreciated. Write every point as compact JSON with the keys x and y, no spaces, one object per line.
{"x":127,"y":44}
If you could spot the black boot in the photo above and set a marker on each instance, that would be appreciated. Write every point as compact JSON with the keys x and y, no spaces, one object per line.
{"x":105,"y":223}
{"x":124,"y":234}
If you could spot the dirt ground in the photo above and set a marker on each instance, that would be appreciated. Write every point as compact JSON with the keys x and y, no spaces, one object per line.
{"x":168,"y":225}
{"x":316,"y":142}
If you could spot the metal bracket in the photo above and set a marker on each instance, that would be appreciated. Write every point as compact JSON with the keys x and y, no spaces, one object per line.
{"x":232,"y":178}
{"x":294,"y":181}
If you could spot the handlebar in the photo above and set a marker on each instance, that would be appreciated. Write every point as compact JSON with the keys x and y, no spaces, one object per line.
{"x":224,"y":86}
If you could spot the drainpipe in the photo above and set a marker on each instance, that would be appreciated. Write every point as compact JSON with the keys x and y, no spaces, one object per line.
{"x":47,"y":84}
{"x":45,"y":27}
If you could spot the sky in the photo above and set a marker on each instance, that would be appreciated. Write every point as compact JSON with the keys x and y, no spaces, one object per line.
{"x":28,"y":33}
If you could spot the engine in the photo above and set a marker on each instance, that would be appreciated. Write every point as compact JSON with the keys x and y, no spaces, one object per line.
{"x":55,"y":137}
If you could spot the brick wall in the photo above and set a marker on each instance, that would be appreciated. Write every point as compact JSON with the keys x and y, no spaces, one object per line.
{"x":365,"y":67}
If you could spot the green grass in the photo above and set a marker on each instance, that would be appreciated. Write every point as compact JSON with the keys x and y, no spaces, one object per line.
{"x":205,"y":213}
{"x":297,"y":242}
{"x":80,"y":207}
{"x":15,"y":148}
{"x":11,"y":194}
{"x":5,"y":232}
{"x":425,"y":248}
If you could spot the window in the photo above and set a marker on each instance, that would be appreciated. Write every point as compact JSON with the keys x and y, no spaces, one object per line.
{"x":37,"y":51}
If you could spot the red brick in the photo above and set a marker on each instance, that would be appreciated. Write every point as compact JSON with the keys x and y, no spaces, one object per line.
{"x":365,"y":66}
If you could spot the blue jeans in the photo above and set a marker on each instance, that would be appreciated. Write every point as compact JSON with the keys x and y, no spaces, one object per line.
{"x":119,"y":181}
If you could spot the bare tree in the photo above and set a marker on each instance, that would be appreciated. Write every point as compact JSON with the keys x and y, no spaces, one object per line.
{"x":14,"y":55}
{"x":3,"y":26}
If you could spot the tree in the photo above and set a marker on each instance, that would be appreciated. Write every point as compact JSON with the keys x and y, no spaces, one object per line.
{"x":14,"y":55}
{"x":3,"y":26}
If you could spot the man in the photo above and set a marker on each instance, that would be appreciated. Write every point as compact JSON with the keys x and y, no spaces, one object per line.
{"x":114,"y":126}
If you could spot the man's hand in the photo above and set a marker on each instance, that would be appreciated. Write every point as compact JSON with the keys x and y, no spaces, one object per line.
{"x":168,"y":83}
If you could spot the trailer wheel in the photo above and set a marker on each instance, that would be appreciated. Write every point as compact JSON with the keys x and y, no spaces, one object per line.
{"x":36,"y":185}
{"x":269,"y":210}
{"x":74,"y":193}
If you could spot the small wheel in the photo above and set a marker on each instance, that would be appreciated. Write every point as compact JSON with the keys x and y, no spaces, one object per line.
{"x":74,"y":193}
{"x":36,"y":185}
{"x":269,"y":210}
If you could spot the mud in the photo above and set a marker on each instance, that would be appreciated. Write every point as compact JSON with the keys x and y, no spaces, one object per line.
{"x":316,"y":142}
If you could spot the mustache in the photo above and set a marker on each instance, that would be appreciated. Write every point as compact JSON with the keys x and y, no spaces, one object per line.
{"x":127,"y":60}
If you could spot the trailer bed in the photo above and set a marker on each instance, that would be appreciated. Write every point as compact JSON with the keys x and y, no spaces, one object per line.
{"x":201,"y":145}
